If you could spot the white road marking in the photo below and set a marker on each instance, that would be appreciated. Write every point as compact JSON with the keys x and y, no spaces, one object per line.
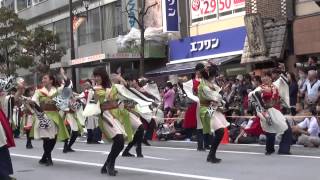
{"x":230,"y":144}
{"x":191,"y":176}
{"x":237,"y":152}
{"x":107,"y":152}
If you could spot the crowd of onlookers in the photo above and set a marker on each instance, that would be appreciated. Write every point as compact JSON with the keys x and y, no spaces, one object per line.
{"x":304,"y":91}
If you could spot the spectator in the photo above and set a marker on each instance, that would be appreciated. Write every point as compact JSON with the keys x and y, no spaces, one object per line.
{"x":312,"y":63}
{"x":293,"y":92}
{"x":308,"y":131}
{"x":251,"y":133}
{"x":168,"y":97}
{"x":244,"y":88}
{"x":311,"y":89}
{"x":256,"y":82}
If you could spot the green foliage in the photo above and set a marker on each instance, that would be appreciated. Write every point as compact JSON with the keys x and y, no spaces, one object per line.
{"x":12,"y":34}
{"x":41,"y":43}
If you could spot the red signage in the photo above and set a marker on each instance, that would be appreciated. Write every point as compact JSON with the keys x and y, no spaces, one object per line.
{"x":202,"y":8}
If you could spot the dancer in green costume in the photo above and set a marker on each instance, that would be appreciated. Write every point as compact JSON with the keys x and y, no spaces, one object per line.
{"x":56,"y":128}
{"x":211,"y":105}
{"x":110,"y":118}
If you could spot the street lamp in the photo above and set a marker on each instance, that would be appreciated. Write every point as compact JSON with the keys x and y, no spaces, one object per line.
{"x":86,"y":4}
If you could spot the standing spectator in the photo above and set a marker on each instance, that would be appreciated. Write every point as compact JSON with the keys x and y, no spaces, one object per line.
{"x":311,"y":89}
{"x":168,"y":97}
{"x":301,"y":82}
{"x":312,"y":63}
{"x":293,"y":92}
{"x":244,"y":88}
{"x":256,"y":82}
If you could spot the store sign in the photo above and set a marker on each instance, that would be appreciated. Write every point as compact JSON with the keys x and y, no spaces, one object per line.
{"x":202,"y":8}
{"x":204,"y":45}
{"x":88,"y":59}
{"x":123,"y":55}
{"x":171,"y":18}
{"x":207,"y":45}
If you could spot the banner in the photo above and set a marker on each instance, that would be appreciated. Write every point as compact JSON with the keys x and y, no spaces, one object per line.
{"x":154,"y":16}
{"x":213,"y":9}
{"x":132,"y":6}
{"x":77,"y":21}
{"x":170,"y":10}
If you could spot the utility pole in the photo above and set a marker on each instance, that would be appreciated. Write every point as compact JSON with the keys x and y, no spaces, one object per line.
{"x":72,"y":53}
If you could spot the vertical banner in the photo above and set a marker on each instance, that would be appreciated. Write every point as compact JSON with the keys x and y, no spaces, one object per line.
{"x":171,"y":15}
{"x":154,"y":16}
{"x":77,"y":21}
{"x":132,"y":6}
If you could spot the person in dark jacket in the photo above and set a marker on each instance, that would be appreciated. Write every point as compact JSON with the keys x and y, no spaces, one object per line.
{"x":293,"y":92}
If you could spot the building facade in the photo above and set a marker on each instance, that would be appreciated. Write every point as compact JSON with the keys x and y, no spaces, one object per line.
{"x":306,"y":29}
{"x":96,"y":38}
{"x":217,"y":34}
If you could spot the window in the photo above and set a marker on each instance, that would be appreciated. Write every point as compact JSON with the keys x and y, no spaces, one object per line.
{"x":23,"y":4}
{"x":112,"y":20}
{"x":89,"y":32}
{"x":61,"y":28}
{"x":37,"y":1}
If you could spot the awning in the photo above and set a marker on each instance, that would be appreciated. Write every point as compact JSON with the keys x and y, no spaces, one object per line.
{"x":186,"y":68}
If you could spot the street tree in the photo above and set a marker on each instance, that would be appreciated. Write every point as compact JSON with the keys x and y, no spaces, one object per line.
{"x":41,"y":44}
{"x":140,"y":20}
{"x":12,"y":34}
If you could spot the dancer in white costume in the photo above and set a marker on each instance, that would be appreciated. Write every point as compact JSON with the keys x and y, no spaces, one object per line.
{"x":266,"y":101}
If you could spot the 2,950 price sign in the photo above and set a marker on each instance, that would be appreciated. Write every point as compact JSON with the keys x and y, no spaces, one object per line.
{"x":201,"y":8}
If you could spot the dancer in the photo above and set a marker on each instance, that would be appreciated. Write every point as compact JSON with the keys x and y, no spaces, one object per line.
{"x":266,"y":101}
{"x":28,"y":119}
{"x":6,"y":141}
{"x":211,"y":110}
{"x":136,"y":114}
{"x":70,"y":115}
{"x":109,"y":125}
{"x":91,"y":122}
{"x":53,"y":127}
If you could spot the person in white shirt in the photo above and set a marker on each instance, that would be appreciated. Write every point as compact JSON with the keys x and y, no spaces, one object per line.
{"x":311,"y":89}
{"x":309,"y":131}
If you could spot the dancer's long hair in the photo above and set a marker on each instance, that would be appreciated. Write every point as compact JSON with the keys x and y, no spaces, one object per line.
{"x":101,"y":71}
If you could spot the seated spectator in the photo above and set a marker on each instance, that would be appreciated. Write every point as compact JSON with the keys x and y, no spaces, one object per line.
{"x":236,"y":124}
{"x":250,"y":134}
{"x":308,"y":131}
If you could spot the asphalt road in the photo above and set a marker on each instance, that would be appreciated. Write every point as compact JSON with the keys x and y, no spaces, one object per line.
{"x":166,"y":161}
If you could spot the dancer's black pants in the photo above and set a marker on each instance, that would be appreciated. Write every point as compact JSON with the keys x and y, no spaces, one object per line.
{"x":28,"y":137}
{"x":5,"y":163}
{"x":285,"y":143}
{"x":73,"y":138}
{"x":215,"y":142}
{"x":48,"y":146}
{"x":137,"y":139}
{"x":117,"y":147}
{"x":204,"y":140}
